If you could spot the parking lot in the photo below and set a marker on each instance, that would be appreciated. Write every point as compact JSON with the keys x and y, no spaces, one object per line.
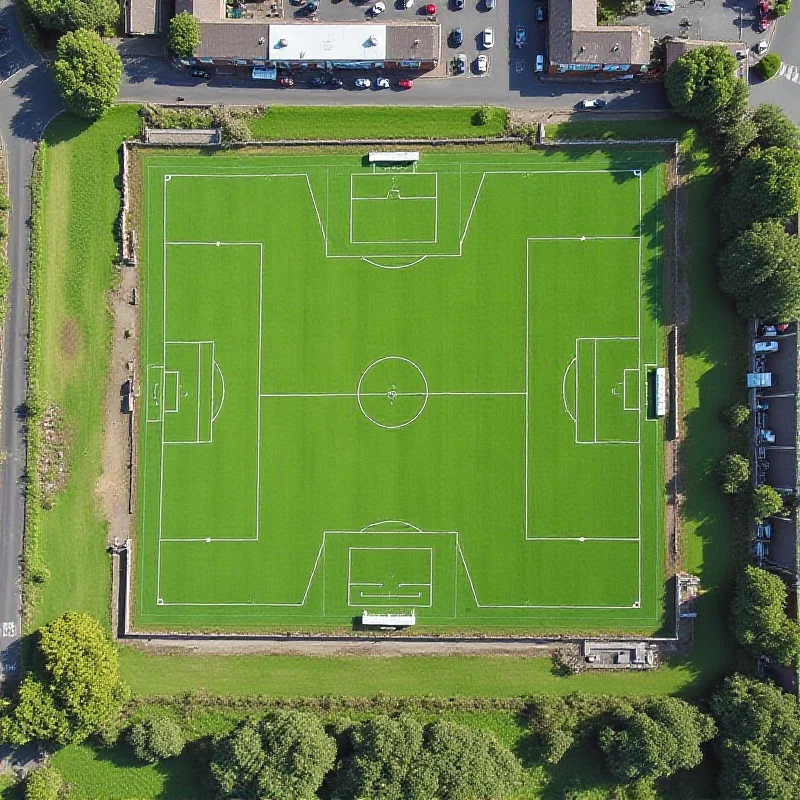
{"x":715,"y":20}
{"x":508,"y":65}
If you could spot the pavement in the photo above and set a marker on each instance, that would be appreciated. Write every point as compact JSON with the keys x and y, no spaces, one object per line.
{"x":28,"y":100}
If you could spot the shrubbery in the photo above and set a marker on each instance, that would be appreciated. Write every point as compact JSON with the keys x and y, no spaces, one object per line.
{"x":44,"y":783}
{"x":769,"y":65}
{"x":155,"y":738}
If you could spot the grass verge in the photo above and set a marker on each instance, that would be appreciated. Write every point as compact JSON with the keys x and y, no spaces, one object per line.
{"x":76,"y":203}
{"x":611,"y":130}
{"x":369,"y":122}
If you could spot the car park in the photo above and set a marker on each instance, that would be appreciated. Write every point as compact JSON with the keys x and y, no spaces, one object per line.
{"x":520,"y":36}
{"x":765,"y":347}
{"x":539,"y":63}
{"x":482,"y":64}
{"x":488,"y":38}
{"x":199,"y":73}
{"x":541,"y":12}
{"x":598,"y":102}
{"x":405,"y":83}
{"x":456,"y":37}
{"x":461,"y":64}
{"x":363,"y":83}
{"x":382,"y":83}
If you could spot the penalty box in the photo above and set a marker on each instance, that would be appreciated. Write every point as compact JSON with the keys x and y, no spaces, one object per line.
{"x":390,"y":571}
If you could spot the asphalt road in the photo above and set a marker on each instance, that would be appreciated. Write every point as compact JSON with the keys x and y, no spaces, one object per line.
{"x":783,"y":89}
{"x":27,"y":101}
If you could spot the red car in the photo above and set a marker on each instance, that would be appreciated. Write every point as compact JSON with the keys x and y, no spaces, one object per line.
{"x":285,"y":81}
{"x":429,"y":9}
{"x":405,"y":83}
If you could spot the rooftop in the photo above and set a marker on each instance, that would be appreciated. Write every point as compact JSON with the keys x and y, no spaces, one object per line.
{"x":576,"y":38}
{"x":675,"y":48}
{"x":140,"y":17}
{"x":240,"y":39}
{"x":344,"y":42}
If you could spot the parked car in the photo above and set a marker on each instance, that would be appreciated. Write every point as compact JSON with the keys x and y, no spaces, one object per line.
{"x":598,"y":102}
{"x":382,"y":83}
{"x":334,"y":82}
{"x":762,"y":25}
{"x":768,"y":330}
{"x":764,"y":531}
{"x":520,"y":36}
{"x":539,"y":63}
{"x":363,"y":83}
{"x":761,"y":47}
{"x":482,"y":64}
{"x":765,"y":347}
{"x":378,"y":8}
{"x":456,"y":37}
{"x":541,"y":12}
{"x":458,"y":5}
{"x":317,"y":81}
{"x":430,"y":9}
{"x":663,"y":6}
{"x":461,"y":64}
{"x":405,"y":83}
{"x":488,"y":38}
{"x":489,"y":4}
{"x":285,"y":80}
{"x":408,"y":4}
{"x":199,"y":73}
{"x":766,"y":437}
{"x":309,"y":9}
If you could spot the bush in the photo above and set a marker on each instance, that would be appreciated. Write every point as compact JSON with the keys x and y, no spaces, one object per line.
{"x":184,"y":35}
{"x":782,"y":8}
{"x":766,"y":502}
{"x":758,"y":616}
{"x":71,"y":15}
{"x":232,"y":126}
{"x":156,"y":738}
{"x":483,"y":116}
{"x":769,"y":65}
{"x":734,"y":473}
{"x":284,"y":754}
{"x":737,"y":415}
{"x":44,"y":783}
{"x":88,"y":73}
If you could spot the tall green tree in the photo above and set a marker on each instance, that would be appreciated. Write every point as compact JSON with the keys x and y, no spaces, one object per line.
{"x":701,"y":82}
{"x":758,"y":616}
{"x":774,"y":128}
{"x":184,"y":34}
{"x":462,"y":763}
{"x":284,"y":754}
{"x":766,"y":502}
{"x":384,"y":752}
{"x":70,"y":15}
{"x":87,"y":72}
{"x":734,"y":473}
{"x":765,"y":184}
{"x":759,"y":739}
{"x":74,"y":688}
{"x":659,"y":739}
{"x":760,"y":267}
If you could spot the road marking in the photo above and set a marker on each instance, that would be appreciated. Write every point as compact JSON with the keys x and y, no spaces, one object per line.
{"x":9,"y":630}
{"x":789,"y":72}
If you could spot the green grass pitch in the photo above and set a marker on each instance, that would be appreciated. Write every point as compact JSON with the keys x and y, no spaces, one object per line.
{"x":421,"y":388}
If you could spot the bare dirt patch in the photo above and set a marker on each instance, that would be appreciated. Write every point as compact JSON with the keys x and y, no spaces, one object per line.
{"x":115,"y":482}
{"x":71,"y":338}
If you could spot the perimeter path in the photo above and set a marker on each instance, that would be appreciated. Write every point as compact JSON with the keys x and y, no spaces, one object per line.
{"x":28,"y":100}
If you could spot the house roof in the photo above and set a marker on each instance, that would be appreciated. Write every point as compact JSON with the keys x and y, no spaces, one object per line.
{"x":239,"y":39}
{"x":203,"y":10}
{"x":576,"y":38}
{"x":675,"y":48}
{"x":141,"y":18}
{"x":421,"y":42}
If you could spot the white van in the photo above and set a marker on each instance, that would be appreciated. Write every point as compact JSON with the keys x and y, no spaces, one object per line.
{"x":663,"y":6}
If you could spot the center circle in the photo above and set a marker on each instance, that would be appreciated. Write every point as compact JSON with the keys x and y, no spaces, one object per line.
{"x":392,"y":392}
